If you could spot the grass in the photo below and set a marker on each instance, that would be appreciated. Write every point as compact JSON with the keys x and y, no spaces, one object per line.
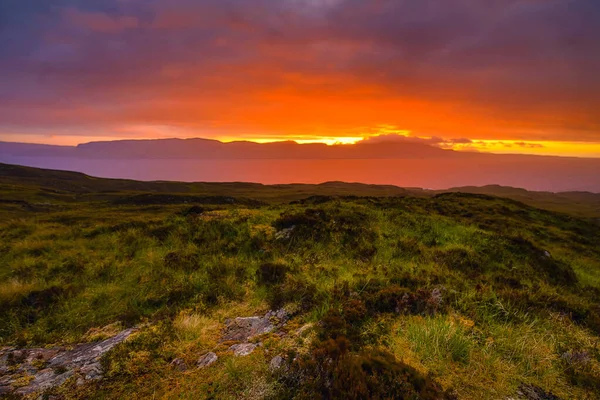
{"x":467,"y":295}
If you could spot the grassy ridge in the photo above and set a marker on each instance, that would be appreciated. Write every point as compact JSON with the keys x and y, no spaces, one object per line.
{"x":469,"y":294}
{"x":19,"y":183}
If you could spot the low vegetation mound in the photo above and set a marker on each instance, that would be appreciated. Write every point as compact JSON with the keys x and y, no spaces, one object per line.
{"x":454,"y":297}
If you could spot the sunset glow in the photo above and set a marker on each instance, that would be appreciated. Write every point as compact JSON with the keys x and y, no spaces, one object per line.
{"x":516,"y":77}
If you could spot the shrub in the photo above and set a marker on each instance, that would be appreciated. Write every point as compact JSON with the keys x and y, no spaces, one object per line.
{"x":350,"y":228}
{"x":331,"y":371}
{"x":541,"y":262}
{"x":394,"y":298}
{"x":271,"y":273}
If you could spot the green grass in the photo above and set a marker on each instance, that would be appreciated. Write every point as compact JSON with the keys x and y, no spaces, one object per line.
{"x":519,"y":288}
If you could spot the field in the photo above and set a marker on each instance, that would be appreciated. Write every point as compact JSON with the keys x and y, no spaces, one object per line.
{"x":387,"y":292}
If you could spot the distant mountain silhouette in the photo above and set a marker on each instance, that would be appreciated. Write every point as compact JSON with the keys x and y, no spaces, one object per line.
{"x":214,"y":149}
{"x":397,"y":163}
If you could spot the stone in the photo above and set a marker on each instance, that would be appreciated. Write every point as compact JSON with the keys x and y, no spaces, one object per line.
{"x":43,"y":380}
{"x":581,"y":358}
{"x":532,"y":392}
{"x":243,"y":349}
{"x":42,"y":355}
{"x":91,"y":371}
{"x":285,"y":234}
{"x":243,"y":329}
{"x":179,"y":364}
{"x":276,"y":363}
{"x":207,"y":359}
{"x":49,"y":368}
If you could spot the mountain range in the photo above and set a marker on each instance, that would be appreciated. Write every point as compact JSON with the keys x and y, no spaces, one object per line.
{"x":398,"y":163}
{"x":198,"y":148}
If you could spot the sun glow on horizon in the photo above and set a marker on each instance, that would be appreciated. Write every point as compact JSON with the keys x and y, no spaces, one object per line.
{"x":381,"y":133}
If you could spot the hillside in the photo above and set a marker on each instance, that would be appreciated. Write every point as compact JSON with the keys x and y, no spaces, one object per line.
{"x":116,"y":289}
{"x":18,"y":183}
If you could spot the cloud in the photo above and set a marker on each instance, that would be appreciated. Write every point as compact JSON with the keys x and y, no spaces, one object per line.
{"x":99,"y":21}
{"x":515,"y":69}
{"x":530,"y":145}
{"x":405,"y":138}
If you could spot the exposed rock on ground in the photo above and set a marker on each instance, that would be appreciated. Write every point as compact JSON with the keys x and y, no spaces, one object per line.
{"x":532,"y":392}
{"x":285,"y":233}
{"x":26,"y":371}
{"x":243,"y":349}
{"x":179,"y":364}
{"x":276,"y":363}
{"x":245,"y":329}
{"x":206,"y":360}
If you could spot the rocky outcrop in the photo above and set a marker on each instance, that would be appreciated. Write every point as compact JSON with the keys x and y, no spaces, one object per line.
{"x":532,"y":392}
{"x":243,"y":349}
{"x":27,"y":371}
{"x":244,"y":329}
{"x":206,"y":360}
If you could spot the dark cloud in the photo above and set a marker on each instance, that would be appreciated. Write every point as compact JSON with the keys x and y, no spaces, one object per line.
{"x":530,"y":145}
{"x":523,"y":65}
{"x":432,"y":141}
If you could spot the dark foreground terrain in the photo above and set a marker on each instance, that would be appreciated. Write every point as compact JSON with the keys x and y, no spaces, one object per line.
{"x":124,"y":289}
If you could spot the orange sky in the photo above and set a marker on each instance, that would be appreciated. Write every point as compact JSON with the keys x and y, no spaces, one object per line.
{"x":507,"y":77}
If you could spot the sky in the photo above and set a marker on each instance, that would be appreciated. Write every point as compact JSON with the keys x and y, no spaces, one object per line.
{"x":509,"y":76}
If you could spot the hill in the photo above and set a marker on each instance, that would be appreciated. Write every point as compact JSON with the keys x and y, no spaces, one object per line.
{"x":120,"y":289}
{"x":18,"y":183}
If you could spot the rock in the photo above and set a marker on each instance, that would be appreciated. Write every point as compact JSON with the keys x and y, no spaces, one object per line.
{"x":582,"y":358}
{"x":91,"y":371}
{"x":206,"y":360}
{"x":243,"y":329}
{"x":179,"y":364}
{"x":532,"y":392}
{"x":285,"y":234}
{"x":43,"y":380}
{"x":243,"y":349}
{"x":48,"y":368}
{"x":276,"y":363}
{"x":88,"y":353}
{"x":40,"y":355}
